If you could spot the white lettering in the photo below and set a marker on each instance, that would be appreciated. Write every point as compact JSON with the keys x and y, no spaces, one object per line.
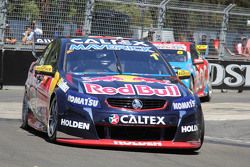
{"x":190,"y":128}
{"x":75,"y":124}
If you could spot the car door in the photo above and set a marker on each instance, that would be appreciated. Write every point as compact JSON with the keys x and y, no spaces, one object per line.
{"x":32,"y":81}
{"x":44,"y":81}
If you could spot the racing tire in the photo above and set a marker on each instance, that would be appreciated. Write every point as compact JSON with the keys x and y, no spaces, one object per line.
{"x":25,"y":113}
{"x":52,"y":121}
{"x":202,"y":133}
{"x":208,"y":97}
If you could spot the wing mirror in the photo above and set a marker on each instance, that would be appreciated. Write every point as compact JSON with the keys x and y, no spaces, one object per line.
{"x":44,"y":69}
{"x":183,"y":74}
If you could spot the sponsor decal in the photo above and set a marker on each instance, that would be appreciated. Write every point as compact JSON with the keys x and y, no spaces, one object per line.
{"x":114,"y":119}
{"x":110,"y":47}
{"x":75,"y":124}
{"x":43,"y":40}
{"x":63,"y":85}
{"x":125,"y":78}
{"x":184,"y":105}
{"x":83,"y":100}
{"x":137,"y":143}
{"x":171,"y":46}
{"x":109,"y":42}
{"x":228,"y":74}
{"x":189,"y":128}
{"x":136,"y":120}
{"x":44,"y":68}
{"x":129,"y":89}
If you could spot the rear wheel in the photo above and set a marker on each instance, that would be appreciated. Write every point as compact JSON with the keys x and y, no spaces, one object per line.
{"x":208,"y":97}
{"x":52,"y":121}
{"x":25,"y":112}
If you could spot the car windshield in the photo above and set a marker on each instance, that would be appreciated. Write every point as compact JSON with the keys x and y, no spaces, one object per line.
{"x":174,"y":55}
{"x":115,"y":62}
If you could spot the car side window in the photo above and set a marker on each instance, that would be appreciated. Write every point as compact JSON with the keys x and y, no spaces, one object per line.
{"x":51,"y":59}
{"x":45,"y":54}
{"x":194,"y":53}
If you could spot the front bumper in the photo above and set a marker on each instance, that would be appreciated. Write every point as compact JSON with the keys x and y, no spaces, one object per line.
{"x":131,"y":144}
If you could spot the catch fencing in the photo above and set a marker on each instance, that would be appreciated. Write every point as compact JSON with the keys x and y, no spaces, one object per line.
{"x":158,"y":20}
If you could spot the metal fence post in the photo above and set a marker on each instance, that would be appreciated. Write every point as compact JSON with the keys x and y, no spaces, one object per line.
{"x":223,"y":30}
{"x":161,"y":17}
{"x":88,"y":16}
{"x":3,"y":12}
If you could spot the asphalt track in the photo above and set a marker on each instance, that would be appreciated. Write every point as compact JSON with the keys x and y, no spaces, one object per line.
{"x":227,"y":140}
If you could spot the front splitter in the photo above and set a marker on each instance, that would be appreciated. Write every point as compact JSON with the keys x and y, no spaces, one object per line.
{"x":132,"y":144}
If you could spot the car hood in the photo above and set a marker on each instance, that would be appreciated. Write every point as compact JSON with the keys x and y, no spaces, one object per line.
{"x":128,"y":85}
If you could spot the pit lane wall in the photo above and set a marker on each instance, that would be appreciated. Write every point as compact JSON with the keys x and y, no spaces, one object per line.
{"x":14,"y":66}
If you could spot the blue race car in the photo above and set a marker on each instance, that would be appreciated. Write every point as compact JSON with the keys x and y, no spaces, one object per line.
{"x":110,"y":92}
{"x":184,"y":56}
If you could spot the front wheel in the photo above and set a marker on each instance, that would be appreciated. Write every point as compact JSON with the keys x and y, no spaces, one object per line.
{"x":52,"y":121}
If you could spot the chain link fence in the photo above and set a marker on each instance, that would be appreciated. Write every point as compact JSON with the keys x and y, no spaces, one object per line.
{"x":220,"y":27}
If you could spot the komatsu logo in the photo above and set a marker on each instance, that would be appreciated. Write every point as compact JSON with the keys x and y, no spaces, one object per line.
{"x":83,"y":101}
{"x":75,"y":124}
{"x":184,"y":105}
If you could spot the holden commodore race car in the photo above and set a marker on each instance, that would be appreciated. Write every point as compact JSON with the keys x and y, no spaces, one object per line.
{"x":184,"y":55}
{"x":110,"y":92}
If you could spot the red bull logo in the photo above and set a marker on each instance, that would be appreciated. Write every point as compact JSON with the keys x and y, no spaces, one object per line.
{"x":129,"y":89}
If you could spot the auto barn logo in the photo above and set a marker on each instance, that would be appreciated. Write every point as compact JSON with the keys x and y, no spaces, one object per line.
{"x":114,"y":119}
{"x":137,"y":104}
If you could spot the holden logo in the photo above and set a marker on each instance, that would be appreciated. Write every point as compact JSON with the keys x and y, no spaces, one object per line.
{"x":114,"y":119}
{"x":137,"y":104}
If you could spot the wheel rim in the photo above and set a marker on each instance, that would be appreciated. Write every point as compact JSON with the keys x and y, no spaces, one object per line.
{"x":52,"y":123}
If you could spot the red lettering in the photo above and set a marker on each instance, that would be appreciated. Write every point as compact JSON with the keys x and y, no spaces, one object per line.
{"x":161,"y":92}
{"x":173,"y":90}
{"x":93,"y":88}
{"x":144,"y":90}
{"x":126,"y":90}
{"x":170,"y":91}
{"x":109,"y":90}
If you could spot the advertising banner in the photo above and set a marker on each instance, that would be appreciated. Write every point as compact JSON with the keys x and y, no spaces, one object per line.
{"x":230,"y":74}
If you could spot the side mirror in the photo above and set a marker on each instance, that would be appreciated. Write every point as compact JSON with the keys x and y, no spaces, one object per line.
{"x":198,"y":61}
{"x":183,"y":74}
{"x":44,"y":69}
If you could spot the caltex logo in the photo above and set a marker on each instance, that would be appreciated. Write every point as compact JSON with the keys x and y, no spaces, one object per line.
{"x":114,"y":119}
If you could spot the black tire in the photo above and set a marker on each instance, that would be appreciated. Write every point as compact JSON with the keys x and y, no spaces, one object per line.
{"x":209,"y":95}
{"x":52,"y":121}
{"x":202,"y":134}
{"x":25,"y":112}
